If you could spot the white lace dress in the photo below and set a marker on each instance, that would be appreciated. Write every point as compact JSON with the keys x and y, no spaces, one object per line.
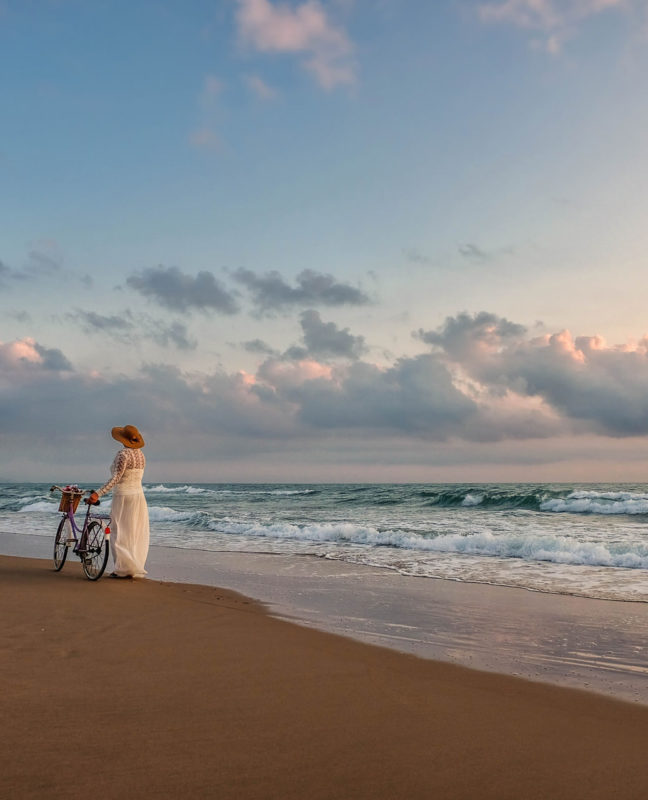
{"x":129,"y":519}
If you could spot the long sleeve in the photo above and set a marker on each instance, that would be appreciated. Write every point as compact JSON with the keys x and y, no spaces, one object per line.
{"x":118,"y":467}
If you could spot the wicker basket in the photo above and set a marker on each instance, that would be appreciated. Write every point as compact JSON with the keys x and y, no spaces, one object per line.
{"x":69,"y":501}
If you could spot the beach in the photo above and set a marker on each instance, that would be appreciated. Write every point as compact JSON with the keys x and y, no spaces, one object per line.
{"x":166,"y":689}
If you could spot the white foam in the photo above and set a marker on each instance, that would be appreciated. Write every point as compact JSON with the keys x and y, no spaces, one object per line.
{"x":584,"y":494}
{"x":588,"y":501}
{"x":187,"y":489}
{"x":276,"y":492}
{"x":523,"y":546}
{"x":162,"y":489}
{"x":289,"y":491}
{"x":30,"y":499}
{"x":590,"y":505}
{"x":164,"y":514}
{"x":472,"y":500}
{"x":42,"y":505}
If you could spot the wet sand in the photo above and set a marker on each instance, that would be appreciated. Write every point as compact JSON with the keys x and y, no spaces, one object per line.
{"x":152,"y":689}
{"x":598,"y":645}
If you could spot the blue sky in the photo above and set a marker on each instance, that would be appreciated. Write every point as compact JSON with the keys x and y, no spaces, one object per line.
{"x":337,"y":239}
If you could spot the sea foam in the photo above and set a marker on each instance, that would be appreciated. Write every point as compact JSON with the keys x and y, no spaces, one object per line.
{"x":524,"y":546}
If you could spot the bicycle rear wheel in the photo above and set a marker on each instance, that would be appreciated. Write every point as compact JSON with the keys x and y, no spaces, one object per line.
{"x":60,"y":546}
{"x":95,"y":555}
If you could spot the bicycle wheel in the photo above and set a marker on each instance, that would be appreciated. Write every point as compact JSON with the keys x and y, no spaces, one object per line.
{"x":60,"y":546}
{"x":95,"y":555}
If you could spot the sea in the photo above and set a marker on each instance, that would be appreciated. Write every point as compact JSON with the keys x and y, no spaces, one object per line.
{"x":589,"y":540}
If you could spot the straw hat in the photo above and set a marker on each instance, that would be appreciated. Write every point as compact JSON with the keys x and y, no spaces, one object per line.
{"x":128,"y":436}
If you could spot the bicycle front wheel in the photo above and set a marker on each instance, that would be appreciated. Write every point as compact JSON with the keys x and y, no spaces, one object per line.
{"x":60,"y":545}
{"x":95,"y":555}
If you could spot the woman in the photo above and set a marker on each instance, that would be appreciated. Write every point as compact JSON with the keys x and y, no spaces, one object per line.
{"x":129,"y":518}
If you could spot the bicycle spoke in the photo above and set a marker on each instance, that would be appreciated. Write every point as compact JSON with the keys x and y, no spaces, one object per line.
{"x":96,"y":555}
{"x":60,"y":546}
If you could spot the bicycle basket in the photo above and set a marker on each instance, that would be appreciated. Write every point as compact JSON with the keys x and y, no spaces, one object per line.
{"x":69,"y":501}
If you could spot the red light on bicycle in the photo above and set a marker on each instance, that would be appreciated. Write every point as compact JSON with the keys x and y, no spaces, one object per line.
{"x":107,"y":529}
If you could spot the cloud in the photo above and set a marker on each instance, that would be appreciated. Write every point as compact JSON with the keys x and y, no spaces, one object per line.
{"x":173,"y":289}
{"x":474,"y":252}
{"x":174,"y":333}
{"x":326,"y":339}
{"x":259,"y":347}
{"x":414,"y":395}
{"x":43,"y":260}
{"x":484,"y":380}
{"x":416,"y":257}
{"x":305,"y":29}
{"x":260,"y":88}
{"x":19,"y":316}
{"x":283,"y":400}
{"x":129,"y":328}
{"x":556,"y":19}
{"x":270,"y":292}
{"x":38,"y":401}
{"x":599,"y":388}
{"x":27,"y":355}
{"x":92,"y":322}
{"x":467,"y":337}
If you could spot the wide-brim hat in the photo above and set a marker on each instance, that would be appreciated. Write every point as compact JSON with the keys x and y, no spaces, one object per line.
{"x":128,"y":436}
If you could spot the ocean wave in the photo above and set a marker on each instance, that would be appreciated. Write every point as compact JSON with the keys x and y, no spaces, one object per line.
{"x":591,"y":494}
{"x":187,"y":489}
{"x":472,"y":500}
{"x":164,"y":514}
{"x":484,"y":497}
{"x":596,"y":504}
{"x":162,"y":489}
{"x":538,"y":499}
{"x":49,"y":507}
{"x":556,"y":549}
{"x":280,"y":492}
{"x":41,"y":505}
{"x":22,"y":501}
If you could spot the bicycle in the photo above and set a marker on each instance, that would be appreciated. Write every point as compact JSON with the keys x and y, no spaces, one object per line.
{"x":92,"y":545}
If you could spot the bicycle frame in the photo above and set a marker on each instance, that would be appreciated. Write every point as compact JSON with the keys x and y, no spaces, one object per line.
{"x":79,"y":541}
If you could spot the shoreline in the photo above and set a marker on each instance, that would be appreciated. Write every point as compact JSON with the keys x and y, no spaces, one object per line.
{"x":596,"y":645}
{"x":177,"y":689}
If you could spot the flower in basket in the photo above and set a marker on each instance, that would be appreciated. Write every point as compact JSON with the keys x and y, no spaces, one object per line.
{"x":71,"y":487}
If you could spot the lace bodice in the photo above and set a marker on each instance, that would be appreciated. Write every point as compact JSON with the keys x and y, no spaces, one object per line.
{"x":126,"y":459}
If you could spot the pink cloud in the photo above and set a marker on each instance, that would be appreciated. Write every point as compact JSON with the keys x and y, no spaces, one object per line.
{"x":304,"y":29}
{"x":556,"y":18}
{"x":20,"y":352}
{"x":28,"y":356}
{"x":283,"y":374}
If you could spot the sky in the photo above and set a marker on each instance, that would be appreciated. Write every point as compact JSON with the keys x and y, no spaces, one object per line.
{"x":327,"y":240}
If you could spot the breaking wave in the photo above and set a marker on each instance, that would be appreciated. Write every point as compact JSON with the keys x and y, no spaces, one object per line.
{"x":528,"y":547}
{"x":41,"y":505}
{"x":162,"y":489}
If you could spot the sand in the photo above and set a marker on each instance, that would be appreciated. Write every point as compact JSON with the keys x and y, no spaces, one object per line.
{"x":149,"y":689}
{"x":598,"y":645}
